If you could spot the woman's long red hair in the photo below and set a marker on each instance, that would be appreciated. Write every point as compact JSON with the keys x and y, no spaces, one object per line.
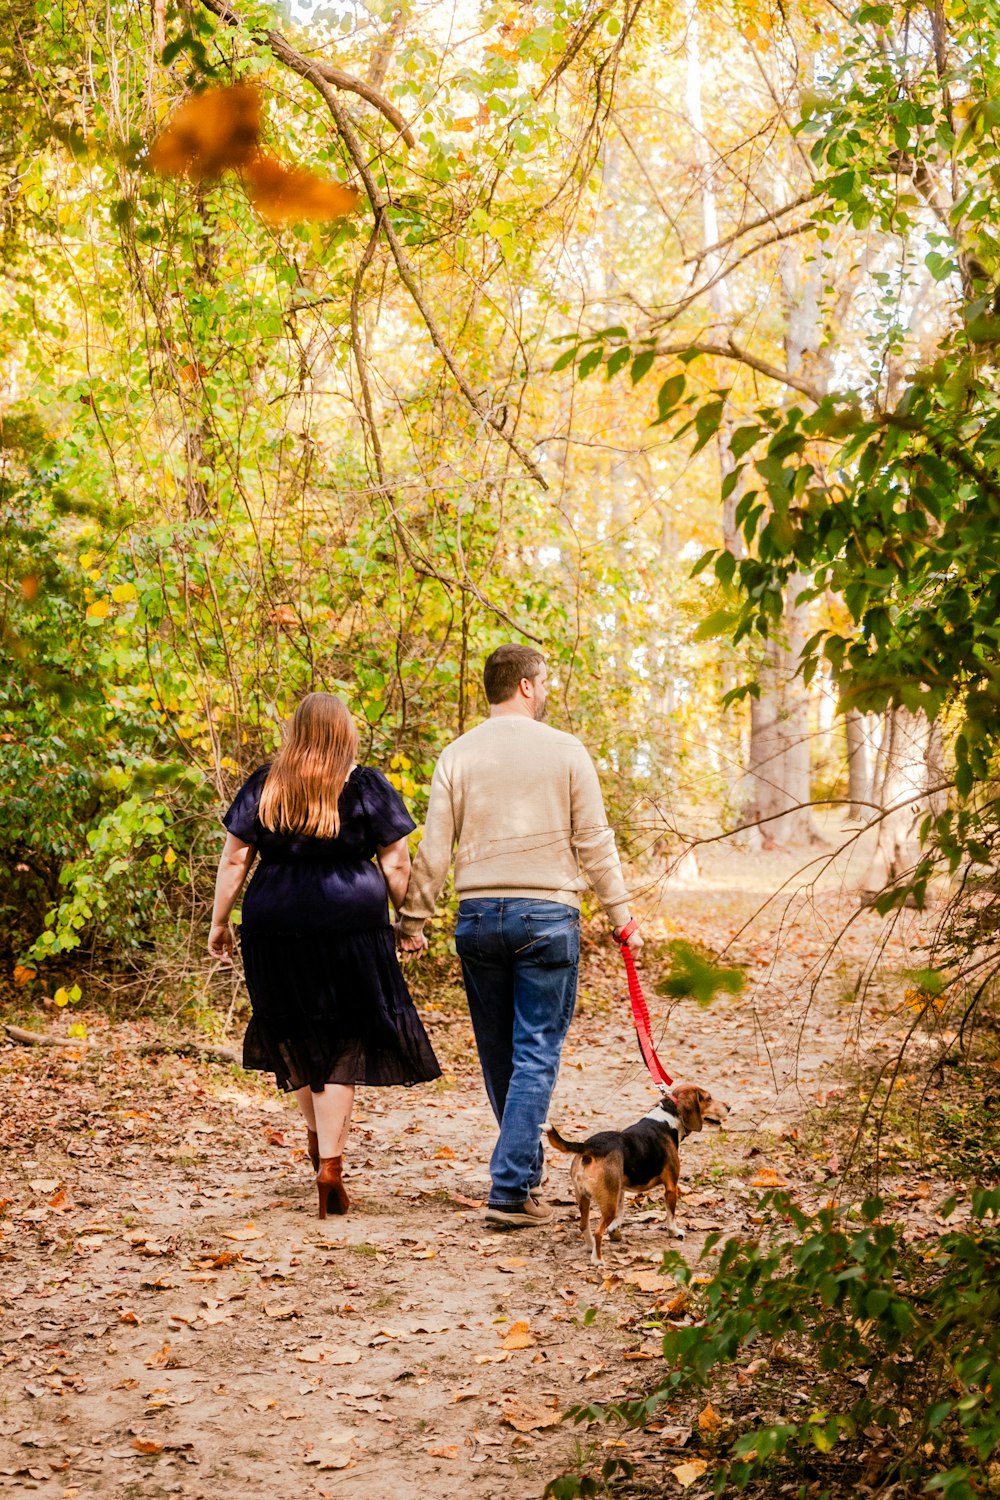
{"x":308,"y":774}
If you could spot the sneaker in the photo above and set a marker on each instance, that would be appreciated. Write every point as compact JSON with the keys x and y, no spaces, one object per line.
{"x":520,"y":1215}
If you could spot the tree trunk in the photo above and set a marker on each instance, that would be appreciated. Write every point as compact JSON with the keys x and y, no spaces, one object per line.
{"x":904,"y":754}
{"x":859,"y":776}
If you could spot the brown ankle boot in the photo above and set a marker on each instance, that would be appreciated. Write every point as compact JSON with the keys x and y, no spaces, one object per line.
{"x":332,"y":1193}
{"x":312,"y":1145}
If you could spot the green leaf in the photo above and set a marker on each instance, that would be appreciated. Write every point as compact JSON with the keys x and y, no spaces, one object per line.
{"x":642,"y":364}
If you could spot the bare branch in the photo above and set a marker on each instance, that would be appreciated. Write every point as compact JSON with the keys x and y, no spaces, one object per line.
{"x":770,"y":217}
{"x":347,"y":81}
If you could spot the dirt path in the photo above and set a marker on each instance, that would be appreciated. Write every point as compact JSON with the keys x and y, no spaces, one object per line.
{"x":176,"y":1321}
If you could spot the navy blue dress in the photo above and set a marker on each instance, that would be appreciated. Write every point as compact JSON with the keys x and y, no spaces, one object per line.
{"x":330,"y":1004}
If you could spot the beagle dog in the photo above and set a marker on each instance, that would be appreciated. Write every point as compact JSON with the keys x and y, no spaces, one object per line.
{"x":613,"y":1162}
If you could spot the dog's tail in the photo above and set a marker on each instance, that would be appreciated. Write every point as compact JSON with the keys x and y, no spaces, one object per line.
{"x":572,"y":1147}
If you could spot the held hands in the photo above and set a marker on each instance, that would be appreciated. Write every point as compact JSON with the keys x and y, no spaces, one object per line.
{"x":410,"y":944}
{"x":222,"y":942}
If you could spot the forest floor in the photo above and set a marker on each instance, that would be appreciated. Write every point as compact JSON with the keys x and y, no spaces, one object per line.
{"x":177,"y":1321}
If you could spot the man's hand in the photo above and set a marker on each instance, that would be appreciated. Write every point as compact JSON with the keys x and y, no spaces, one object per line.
{"x":634,"y":941}
{"x":222,"y":942}
{"x":411,"y":943}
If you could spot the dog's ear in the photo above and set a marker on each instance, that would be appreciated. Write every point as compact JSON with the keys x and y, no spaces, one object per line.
{"x":689,"y":1101}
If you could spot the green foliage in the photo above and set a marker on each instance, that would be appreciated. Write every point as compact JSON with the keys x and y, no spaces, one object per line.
{"x":695,"y":975}
{"x":896,"y":1338}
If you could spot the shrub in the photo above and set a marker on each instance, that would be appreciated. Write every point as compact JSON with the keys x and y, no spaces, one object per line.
{"x":902,"y":1341}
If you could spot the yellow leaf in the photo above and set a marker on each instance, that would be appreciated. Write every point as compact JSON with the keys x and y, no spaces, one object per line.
{"x":169,"y":857}
{"x":61,"y":996}
{"x":77,"y":1029}
{"x":124,"y":593}
{"x":687,"y":1473}
{"x":99,"y":609}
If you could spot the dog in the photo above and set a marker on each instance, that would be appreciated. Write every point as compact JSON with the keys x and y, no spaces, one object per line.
{"x":608,"y":1164}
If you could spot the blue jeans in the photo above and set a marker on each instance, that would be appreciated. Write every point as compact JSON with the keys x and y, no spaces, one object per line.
{"x":520,"y":960}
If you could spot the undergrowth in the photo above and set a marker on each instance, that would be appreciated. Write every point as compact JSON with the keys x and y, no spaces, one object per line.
{"x":899,"y":1342}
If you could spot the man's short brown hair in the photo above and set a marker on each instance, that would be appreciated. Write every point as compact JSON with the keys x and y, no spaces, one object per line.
{"x":506,"y":666}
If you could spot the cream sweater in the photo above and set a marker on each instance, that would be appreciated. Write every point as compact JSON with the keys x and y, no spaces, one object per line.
{"x":523,"y":805}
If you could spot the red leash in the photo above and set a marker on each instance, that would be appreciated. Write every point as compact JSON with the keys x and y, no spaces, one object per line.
{"x":640,"y":1012}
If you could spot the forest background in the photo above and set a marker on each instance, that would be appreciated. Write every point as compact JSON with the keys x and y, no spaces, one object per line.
{"x":663,"y":338}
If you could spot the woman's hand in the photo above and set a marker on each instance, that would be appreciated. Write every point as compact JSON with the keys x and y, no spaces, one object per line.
{"x":222,"y":942}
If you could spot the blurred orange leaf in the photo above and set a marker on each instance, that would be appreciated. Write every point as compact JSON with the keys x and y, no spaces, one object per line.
{"x":288,"y":195}
{"x":215,"y":129}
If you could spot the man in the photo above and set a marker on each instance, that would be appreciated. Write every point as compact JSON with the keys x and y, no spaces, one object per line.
{"x":522,"y":806}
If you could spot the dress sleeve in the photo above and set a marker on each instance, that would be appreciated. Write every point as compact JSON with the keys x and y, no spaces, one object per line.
{"x":386,"y":810}
{"x":241,"y":819}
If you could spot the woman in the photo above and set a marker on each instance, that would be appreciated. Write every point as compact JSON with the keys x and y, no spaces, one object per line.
{"x":330,"y":1006}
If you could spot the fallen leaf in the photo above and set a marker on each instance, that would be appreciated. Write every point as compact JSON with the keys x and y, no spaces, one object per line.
{"x":530,"y":1418}
{"x":248,"y":1232}
{"x":649,"y":1281}
{"x":767,"y":1177}
{"x":444,"y":1153}
{"x":451,"y":1451}
{"x":498,"y":1357}
{"x":519,"y":1337}
{"x":330,"y":1460}
{"x":129,"y":1317}
{"x":44,"y":1185}
{"x":464,"y":1201}
{"x":686,"y":1473}
{"x":161,"y":1360}
{"x":281,"y":1310}
{"x":709,"y":1420}
{"x":146,"y":1445}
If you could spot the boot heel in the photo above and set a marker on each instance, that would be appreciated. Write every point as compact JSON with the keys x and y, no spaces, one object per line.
{"x":332,"y":1193}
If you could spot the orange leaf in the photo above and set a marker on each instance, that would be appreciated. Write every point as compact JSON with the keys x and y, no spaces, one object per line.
{"x":215,"y":129}
{"x":465,"y":1202}
{"x":767,"y":1177}
{"x":519,"y":1337}
{"x":128,"y":1317}
{"x":146,"y":1445}
{"x":23,"y":975}
{"x":289,"y":195}
{"x":709,"y":1420}
{"x":160,"y":1360}
{"x":451,"y":1451}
